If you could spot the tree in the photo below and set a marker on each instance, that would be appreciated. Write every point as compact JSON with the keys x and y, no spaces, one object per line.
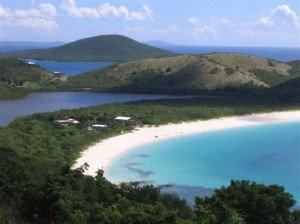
{"x":255,"y":203}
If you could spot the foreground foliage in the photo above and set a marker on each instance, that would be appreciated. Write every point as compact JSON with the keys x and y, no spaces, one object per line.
{"x":68,"y":196}
{"x":37,"y":185}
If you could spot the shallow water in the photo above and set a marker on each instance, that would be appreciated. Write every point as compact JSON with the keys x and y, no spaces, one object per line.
{"x":44,"y":102}
{"x":267,"y":154}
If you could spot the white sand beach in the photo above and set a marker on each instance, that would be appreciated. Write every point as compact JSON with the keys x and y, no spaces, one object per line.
{"x":100,"y":155}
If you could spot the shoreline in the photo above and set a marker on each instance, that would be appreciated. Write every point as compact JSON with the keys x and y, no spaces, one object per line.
{"x":102,"y":154}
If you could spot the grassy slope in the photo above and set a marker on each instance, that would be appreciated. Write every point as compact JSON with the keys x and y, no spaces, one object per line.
{"x":185,"y":74}
{"x":99,"y":48}
{"x":17,"y":77}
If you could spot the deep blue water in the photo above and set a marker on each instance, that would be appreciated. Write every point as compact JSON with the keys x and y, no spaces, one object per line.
{"x":267,"y":154}
{"x":71,"y":68}
{"x":43,"y":102}
{"x":275,"y":53}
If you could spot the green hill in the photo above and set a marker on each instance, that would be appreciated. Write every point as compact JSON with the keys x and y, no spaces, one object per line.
{"x":17,"y":77}
{"x":99,"y":48}
{"x":185,"y":74}
{"x":286,"y":90}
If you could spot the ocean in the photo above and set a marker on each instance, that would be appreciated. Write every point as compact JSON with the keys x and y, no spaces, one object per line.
{"x":268,"y":154}
{"x":276,"y":53}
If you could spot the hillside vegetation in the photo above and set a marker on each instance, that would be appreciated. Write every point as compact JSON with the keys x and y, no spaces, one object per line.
{"x":37,"y":185}
{"x":289,"y":89}
{"x":17,"y":77}
{"x":114,"y":48}
{"x":186,"y":74}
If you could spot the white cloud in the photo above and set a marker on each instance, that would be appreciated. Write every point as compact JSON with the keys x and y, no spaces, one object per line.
{"x":265,"y":21}
{"x":106,"y":11}
{"x":4,"y":12}
{"x":148,"y":12}
{"x":286,"y":13}
{"x":39,"y":18}
{"x":280,"y":24}
{"x":213,"y":22}
{"x":47,"y":9}
{"x":159,"y":31}
{"x":71,"y":8}
{"x":225,"y":22}
{"x":206,"y":28}
{"x":204,"y":31}
{"x":193,"y":21}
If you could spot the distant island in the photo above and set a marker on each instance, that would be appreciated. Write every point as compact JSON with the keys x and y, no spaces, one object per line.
{"x":9,"y":46}
{"x":112,"y":48}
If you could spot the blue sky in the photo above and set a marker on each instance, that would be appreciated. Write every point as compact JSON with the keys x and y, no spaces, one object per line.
{"x":188,"y":22}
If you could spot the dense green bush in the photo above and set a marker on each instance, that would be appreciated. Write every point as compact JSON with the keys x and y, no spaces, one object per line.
{"x":230,"y":71}
{"x":251,"y":202}
{"x":270,"y":77}
{"x":215,"y":70}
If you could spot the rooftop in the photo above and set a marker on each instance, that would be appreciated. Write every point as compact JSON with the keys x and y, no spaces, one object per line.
{"x":122,"y":118}
{"x":99,"y":126}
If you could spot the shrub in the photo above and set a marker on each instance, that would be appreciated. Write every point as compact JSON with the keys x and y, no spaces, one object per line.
{"x":230,"y":71}
{"x":214,"y":70}
{"x":255,"y":203}
{"x":270,"y":63}
{"x":169,"y":69}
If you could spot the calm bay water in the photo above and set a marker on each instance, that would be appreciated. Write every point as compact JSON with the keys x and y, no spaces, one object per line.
{"x":267,"y":154}
{"x":71,"y":68}
{"x":44,"y":102}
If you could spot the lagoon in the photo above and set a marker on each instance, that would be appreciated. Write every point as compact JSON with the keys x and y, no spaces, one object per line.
{"x":70,"y":68}
{"x":268,"y":154}
{"x":44,"y":102}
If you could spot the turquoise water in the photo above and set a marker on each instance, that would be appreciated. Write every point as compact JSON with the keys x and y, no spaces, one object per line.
{"x":267,"y":154}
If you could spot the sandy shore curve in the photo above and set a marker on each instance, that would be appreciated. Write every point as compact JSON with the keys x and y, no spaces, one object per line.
{"x":100,"y":155}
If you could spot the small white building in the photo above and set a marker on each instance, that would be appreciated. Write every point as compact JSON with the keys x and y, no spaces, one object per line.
{"x":69,"y":121}
{"x":56,"y":72}
{"x":31,"y":63}
{"x":96,"y":127}
{"x":120,"y":118}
